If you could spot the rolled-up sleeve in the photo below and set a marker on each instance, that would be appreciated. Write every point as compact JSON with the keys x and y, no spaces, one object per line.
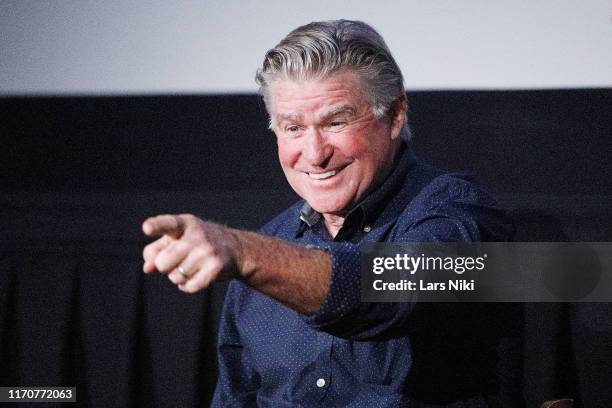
{"x":343,"y":314}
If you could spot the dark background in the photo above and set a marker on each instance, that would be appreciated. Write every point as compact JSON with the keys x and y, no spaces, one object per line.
{"x":78,"y":175}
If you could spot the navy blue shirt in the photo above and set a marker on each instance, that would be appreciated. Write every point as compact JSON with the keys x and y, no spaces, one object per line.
{"x":358,"y":354}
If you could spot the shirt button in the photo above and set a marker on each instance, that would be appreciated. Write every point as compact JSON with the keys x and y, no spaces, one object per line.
{"x":321,"y":382}
{"x":367,"y":228}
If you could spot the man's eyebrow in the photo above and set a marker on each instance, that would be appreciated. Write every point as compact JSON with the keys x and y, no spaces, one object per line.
{"x":289,"y":116}
{"x":338,"y":110}
{"x":293,"y":117}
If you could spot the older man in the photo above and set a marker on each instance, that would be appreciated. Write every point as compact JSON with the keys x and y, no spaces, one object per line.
{"x":294,"y":331}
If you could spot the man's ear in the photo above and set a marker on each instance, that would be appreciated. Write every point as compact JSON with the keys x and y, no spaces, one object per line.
{"x":397,"y":115}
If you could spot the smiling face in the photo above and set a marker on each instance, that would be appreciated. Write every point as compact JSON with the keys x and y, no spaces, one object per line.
{"x":332,"y":148}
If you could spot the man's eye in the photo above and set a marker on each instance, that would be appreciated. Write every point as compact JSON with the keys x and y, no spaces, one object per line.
{"x":336,"y":124}
{"x":293,"y":129}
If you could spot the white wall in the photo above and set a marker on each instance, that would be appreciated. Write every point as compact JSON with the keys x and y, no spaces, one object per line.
{"x":101,"y":47}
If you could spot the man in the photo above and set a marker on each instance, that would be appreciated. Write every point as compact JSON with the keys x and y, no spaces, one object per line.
{"x":294,"y":331}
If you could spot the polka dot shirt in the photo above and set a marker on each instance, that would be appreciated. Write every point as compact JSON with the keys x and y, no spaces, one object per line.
{"x":350,"y":353}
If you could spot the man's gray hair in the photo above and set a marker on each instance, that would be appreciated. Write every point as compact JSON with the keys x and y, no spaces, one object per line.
{"x":320,"y":49}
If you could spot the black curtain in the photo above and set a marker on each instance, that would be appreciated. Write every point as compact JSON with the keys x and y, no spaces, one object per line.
{"x":78,"y":176}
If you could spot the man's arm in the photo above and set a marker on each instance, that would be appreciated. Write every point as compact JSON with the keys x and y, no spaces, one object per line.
{"x":324,"y":285}
{"x":206,"y":252}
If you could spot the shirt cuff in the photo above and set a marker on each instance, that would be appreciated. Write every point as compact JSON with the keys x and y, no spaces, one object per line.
{"x":344,"y":294}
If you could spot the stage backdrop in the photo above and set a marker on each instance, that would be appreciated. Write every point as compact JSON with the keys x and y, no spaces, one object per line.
{"x":78,"y":175}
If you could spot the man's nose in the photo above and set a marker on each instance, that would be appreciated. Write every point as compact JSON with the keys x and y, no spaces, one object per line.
{"x":316,"y":150}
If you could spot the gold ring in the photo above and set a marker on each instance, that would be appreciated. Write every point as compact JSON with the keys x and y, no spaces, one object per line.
{"x":183,"y":272}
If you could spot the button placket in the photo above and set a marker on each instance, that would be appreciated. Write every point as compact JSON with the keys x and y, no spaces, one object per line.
{"x":322,"y":382}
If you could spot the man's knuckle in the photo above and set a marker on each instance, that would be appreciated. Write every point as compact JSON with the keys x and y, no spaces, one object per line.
{"x":216,"y":264}
{"x":150,"y":249}
{"x":200,"y":252}
{"x":209,"y":250}
{"x":188,"y":218}
{"x":161,"y":265}
{"x":181,"y":246}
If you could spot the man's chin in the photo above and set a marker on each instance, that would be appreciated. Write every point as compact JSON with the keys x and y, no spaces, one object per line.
{"x":324,"y":207}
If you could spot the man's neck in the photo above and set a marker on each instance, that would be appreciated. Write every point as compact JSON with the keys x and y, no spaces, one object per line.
{"x":333,"y":223}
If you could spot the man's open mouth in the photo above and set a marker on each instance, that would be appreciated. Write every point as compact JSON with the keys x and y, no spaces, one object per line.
{"x":327,"y":174}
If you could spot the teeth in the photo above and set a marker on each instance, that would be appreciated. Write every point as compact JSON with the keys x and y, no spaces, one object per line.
{"x":321,"y":176}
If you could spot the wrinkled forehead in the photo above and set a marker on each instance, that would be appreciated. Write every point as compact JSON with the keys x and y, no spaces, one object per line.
{"x":342,"y":92}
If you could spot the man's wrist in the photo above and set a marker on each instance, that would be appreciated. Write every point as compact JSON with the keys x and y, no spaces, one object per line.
{"x":245,"y":267}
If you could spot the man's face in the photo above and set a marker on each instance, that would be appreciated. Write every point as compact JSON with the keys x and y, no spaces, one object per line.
{"x":332,"y":148}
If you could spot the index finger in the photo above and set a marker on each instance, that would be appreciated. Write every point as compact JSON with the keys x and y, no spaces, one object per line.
{"x":169,"y":224}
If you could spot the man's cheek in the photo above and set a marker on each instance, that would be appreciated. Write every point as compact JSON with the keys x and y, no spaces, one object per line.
{"x":288,"y":157}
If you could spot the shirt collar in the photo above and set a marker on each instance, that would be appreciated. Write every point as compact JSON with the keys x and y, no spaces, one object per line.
{"x":370,"y":208}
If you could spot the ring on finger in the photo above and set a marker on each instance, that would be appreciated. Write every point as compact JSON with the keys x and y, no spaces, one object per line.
{"x":183,"y":272}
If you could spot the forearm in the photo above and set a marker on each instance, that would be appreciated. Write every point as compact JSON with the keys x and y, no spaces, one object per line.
{"x":195,"y":253}
{"x":295,"y":276}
